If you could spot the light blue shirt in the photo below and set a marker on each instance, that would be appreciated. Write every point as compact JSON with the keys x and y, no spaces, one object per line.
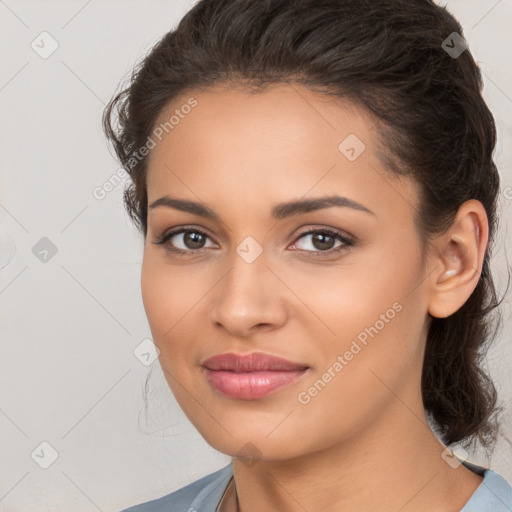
{"x":494,"y":494}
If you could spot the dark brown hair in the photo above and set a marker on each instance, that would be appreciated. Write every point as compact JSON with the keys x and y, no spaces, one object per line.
{"x":388,"y":57}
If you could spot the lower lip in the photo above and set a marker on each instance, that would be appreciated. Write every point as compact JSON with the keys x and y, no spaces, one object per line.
{"x":251,"y":385}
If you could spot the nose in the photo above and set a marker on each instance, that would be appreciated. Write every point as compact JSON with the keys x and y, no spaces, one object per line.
{"x":249,"y":298}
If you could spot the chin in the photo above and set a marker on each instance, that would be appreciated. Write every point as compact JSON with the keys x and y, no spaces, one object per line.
{"x":249,"y":441}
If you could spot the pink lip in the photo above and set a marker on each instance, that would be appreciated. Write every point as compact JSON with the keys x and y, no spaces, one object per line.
{"x":251,"y":376}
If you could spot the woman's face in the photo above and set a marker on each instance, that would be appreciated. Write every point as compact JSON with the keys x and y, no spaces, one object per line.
{"x":349,"y":313}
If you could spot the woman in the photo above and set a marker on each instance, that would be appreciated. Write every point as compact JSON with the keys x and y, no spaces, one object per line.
{"x":315,"y":186}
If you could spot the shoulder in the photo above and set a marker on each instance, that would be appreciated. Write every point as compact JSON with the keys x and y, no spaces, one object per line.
{"x":494,"y":494}
{"x":203,"y":495}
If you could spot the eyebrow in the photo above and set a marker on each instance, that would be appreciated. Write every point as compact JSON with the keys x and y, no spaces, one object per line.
{"x":278,"y":212}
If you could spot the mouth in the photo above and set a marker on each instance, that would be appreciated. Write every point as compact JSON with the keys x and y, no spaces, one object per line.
{"x":252,"y":376}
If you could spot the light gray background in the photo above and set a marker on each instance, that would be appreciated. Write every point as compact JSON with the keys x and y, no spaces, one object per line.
{"x":69,"y":326}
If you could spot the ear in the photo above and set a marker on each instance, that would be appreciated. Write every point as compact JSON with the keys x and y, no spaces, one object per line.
{"x":457,"y":257}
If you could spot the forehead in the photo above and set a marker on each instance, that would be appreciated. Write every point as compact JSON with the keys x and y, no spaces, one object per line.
{"x":286,"y":141}
{"x":281,"y":119}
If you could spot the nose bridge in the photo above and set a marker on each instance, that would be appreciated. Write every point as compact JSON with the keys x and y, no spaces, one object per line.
{"x":248,"y":273}
{"x":248,"y":295}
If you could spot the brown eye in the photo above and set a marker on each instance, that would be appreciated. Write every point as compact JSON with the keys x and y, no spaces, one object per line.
{"x":185,"y":240}
{"x":322,"y":240}
{"x":193,"y":240}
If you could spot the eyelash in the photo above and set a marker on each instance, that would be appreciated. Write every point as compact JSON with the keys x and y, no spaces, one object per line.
{"x":166,"y":236}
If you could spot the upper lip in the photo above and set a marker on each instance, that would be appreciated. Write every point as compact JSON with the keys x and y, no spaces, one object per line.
{"x":257,"y":361}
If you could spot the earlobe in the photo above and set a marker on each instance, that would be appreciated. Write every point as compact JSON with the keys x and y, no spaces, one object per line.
{"x":458,"y":260}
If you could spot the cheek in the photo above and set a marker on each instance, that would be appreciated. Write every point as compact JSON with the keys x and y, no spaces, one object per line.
{"x":371,"y":359}
{"x":164,"y":298}
{"x":167,"y":294}
{"x":156,"y":301}
{"x":338,"y":304}
{"x":372,"y":315}
{"x":175,"y":306}
{"x":375,"y":353}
